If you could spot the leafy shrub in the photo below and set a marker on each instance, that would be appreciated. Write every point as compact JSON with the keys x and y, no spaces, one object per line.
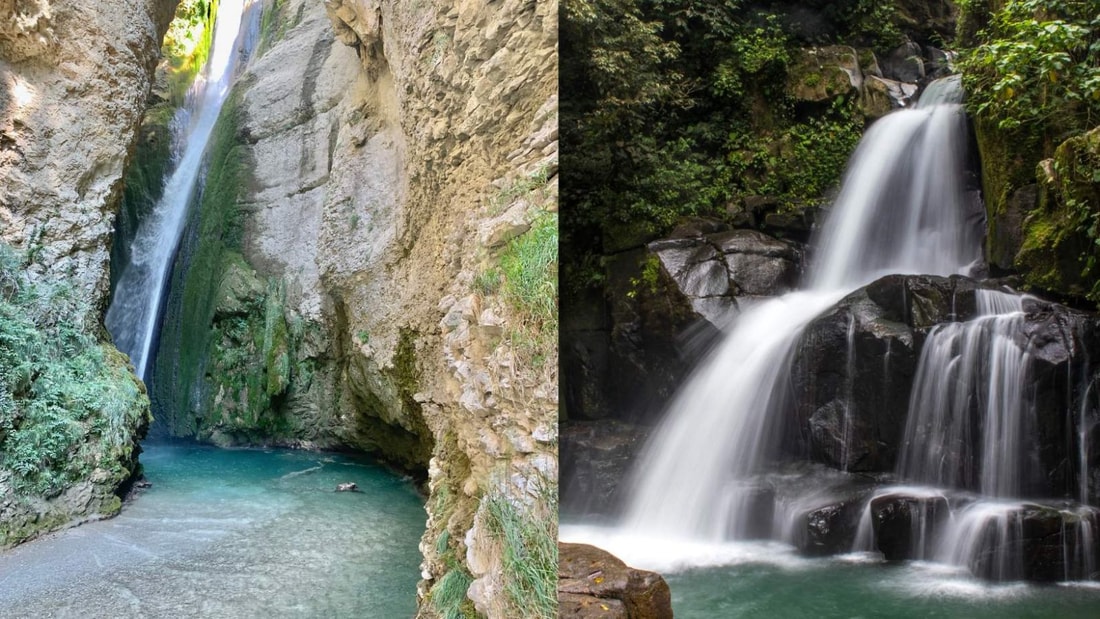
{"x":67,"y":404}
{"x":1038,"y":64}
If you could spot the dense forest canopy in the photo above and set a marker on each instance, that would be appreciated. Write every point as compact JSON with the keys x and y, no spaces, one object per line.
{"x":682,"y":107}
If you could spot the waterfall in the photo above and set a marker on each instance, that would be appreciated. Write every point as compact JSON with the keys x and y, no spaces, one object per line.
{"x":135,"y":309}
{"x":901,"y":209}
{"x":969,"y":395}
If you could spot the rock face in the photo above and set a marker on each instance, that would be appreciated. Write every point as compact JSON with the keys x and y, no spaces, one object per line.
{"x":593,"y":583}
{"x":595,"y":459}
{"x":395,"y":158}
{"x":74,"y":77}
{"x":627,"y":362}
{"x":854,"y":370}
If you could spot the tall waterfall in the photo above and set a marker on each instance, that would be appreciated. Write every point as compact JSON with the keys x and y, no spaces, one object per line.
{"x":901,"y":209}
{"x":136,"y":305}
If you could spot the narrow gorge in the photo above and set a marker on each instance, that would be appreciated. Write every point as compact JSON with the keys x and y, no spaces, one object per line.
{"x":312,"y":228}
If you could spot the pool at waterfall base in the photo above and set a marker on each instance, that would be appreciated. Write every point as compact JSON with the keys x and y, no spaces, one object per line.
{"x":232,"y":533}
{"x":747,"y":579}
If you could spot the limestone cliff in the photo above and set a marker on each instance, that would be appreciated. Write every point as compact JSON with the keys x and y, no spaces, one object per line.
{"x":74,"y":77}
{"x":399,"y":162}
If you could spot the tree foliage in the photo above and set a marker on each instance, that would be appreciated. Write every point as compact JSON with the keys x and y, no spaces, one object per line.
{"x":1038,"y":64}
{"x":678,"y":107}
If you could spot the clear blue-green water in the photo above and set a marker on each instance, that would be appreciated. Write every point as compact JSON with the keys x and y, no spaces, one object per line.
{"x":232,"y":533}
{"x":825,"y":589}
{"x":770,"y":580}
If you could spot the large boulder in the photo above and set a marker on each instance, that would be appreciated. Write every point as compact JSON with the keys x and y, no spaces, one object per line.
{"x":712,"y":271}
{"x":1038,"y":543}
{"x":905,"y":525}
{"x":593,"y":583}
{"x":853,"y":369}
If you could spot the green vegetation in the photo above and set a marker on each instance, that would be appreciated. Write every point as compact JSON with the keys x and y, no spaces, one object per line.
{"x":1037,"y":64}
{"x":682,"y":107}
{"x":448,"y":595}
{"x":1032,"y":72}
{"x":533,"y":182}
{"x":68,"y":404}
{"x":529,"y":538}
{"x":227,"y":338}
{"x":529,"y":268}
{"x":187,"y":44}
{"x":274,"y":24}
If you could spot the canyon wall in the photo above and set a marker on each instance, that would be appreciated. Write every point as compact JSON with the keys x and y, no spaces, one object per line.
{"x":74,"y":80}
{"x":383,"y":173}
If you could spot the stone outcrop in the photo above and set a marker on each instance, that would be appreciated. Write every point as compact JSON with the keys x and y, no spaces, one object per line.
{"x":74,"y":78}
{"x":594,"y":583}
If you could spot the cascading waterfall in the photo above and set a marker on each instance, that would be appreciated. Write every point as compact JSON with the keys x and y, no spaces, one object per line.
{"x":136,"y":305}
{"x":970,"y":395}
{"x":901,"y":209}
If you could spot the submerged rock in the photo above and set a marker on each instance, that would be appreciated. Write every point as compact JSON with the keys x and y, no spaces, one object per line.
{"x":594,"y":583}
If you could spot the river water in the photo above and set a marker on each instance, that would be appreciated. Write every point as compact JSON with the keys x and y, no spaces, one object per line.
{"x":232,"y":533}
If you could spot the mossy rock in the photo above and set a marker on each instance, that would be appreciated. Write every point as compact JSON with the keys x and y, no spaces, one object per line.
{"x":823,"y":73}
{"x":1060,"y":252}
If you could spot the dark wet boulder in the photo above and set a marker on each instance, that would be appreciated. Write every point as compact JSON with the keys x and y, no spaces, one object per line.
{"x":593,"y":583}
{"x":906,"y":526}
{"x":1039,"y":543}
{"x":854,"y":366}
{"x":904,"y":63}
{"x":595,"y":458}
{"x":831,"y":529}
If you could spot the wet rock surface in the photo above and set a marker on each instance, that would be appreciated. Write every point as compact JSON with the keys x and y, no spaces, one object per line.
{"x":906,"y":526}
{"x":595,"y":459}
{"x":854,"y":368}
{"x":593,"y":583}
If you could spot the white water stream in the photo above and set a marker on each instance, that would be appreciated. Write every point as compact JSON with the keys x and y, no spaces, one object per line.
{"x":901,"y":210}
{"x":133,"y":316}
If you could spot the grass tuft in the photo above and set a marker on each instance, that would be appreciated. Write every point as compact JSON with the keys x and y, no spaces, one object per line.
{"x":530,"y":562}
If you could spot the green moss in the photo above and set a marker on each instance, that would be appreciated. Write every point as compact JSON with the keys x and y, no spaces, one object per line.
{"x":233,"y":352}
{"x":1061,"y":249}
{"x":144,"y":180}
{"x":275,"y":22}
{"x":212,"y":236}
{"x":187,"y":45}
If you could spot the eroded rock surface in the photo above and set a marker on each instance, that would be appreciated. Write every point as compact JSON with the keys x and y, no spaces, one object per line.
{"x":594,"y":583}
{"x":394,"y":155}
{"x":74,"y":77}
